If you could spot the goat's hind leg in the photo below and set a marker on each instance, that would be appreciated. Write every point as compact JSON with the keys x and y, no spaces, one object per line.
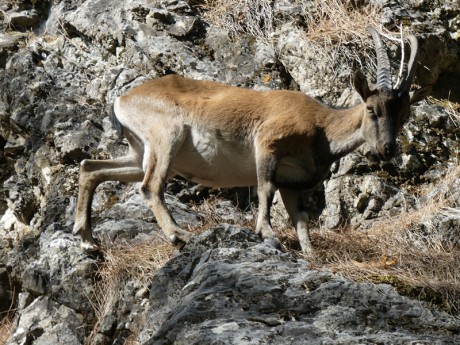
{"x":158,"y":159}
{"x":92,"y":173}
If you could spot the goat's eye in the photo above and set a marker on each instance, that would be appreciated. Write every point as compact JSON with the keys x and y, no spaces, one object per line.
{"x":372,"y":113}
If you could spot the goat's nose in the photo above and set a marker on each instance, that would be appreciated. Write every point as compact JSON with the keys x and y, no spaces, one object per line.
{"x":389,"y":149}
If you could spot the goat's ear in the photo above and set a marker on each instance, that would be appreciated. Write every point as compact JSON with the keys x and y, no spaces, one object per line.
{"x":420,"y":94}
{"x":361,"y":85}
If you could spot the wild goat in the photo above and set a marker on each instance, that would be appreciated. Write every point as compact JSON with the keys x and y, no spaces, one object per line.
{"x":223,"y":136}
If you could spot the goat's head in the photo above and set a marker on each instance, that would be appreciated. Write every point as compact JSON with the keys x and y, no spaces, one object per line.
{"x":387,"y":106}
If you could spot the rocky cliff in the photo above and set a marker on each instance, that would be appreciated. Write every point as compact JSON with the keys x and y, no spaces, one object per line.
{"x":387,"y":260}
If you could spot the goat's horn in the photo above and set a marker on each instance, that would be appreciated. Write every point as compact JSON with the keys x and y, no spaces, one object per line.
{"x":383,"y":63}
{"x":406,"y":83}
{"x":401,"y":66}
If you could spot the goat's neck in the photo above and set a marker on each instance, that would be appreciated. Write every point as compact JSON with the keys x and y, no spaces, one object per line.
{"x":343,"y":130}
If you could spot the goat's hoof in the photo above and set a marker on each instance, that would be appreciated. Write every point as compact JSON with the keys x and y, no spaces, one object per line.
{"x":174,"y":239}
{"x":179,"y":241}
{"x":91,"y":249}
{"x":307,"y":251}
{"x":180,"y":236}
{"x":89,"y":246}
{"x":273,"y":242}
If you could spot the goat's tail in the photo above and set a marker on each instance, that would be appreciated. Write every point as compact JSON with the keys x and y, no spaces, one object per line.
{"x":115,"y":123}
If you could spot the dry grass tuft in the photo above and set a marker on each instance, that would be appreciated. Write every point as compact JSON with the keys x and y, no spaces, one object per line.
{"x":452,"y":108}
{"x":123,"y":262}
{"x":207,"y":209}
{"x":334,"y":29}
{"x":7,"y":319}
{"x":255,"y":17}
{"x":138,"y":261}
{"x":339,"y":22}
{"x":212,"y":218}
{"x":405,"y":251}
{"x":6,"y":327}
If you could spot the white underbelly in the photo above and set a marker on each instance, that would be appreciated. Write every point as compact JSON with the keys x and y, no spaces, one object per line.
{"x":214,"y":159}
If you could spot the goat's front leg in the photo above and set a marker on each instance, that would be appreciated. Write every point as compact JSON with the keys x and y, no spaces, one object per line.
{"x":266,"y":167}
{"x":293,"y":203}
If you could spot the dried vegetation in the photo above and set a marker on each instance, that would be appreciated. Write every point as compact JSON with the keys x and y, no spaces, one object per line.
{"x":123,"y":262}
{"x":333,"y":29}
{"x":410,"y":251}
{"x":452,"y":108}
{"x":6,"y":327}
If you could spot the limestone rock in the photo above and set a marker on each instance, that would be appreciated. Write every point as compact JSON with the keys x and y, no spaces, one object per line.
{"x":47,"y":322}
{"x":63,"y":62}
{"x":228,"y":287}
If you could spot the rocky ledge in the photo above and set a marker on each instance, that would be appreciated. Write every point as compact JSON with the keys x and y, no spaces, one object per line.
{"x":227,"y":287}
